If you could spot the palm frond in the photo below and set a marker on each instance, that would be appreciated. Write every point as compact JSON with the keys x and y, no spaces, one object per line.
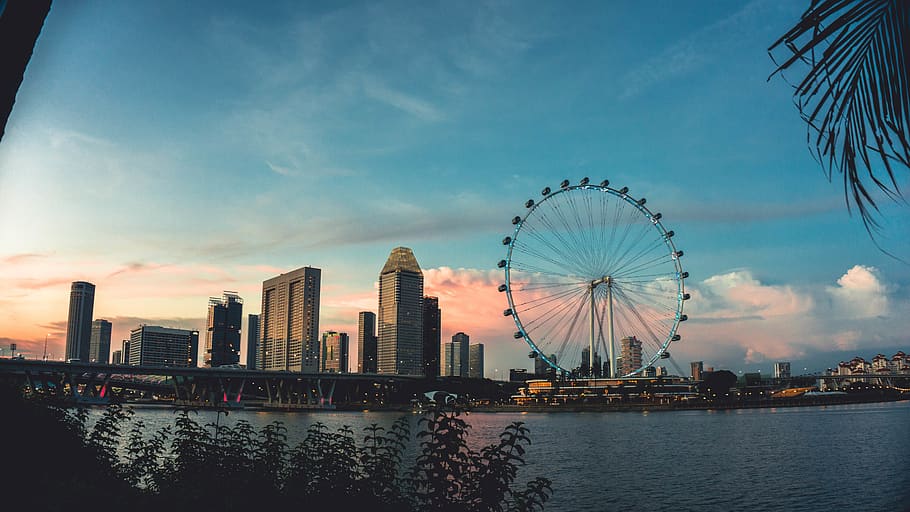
{"x":854,"y":96}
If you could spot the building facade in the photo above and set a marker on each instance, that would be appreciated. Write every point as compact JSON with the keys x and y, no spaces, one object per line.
{"x":432,"y":324}
{"x":334,"y":352}
{"x":222,"y":333}
{"x":100,"y":345}
{"x":117,"y":357}
{"x":79,"y":321}
{"x":289,"y":322}
{"x":366,"y":342}
{"x":252,"y":341}
{"x":475,"y":361}
{"x":782,"y":370}
{"x":399,"y":348}
{"x":456,"y":356}
{"x":630,"y":348}
{"x":698,"y":368}
{"x":152,"y":345}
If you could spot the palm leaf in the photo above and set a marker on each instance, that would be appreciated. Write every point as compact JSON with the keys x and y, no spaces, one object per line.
{"x":854,"y":96}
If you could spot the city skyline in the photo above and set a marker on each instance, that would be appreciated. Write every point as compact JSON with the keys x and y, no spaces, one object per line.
{"x":427,"y":131}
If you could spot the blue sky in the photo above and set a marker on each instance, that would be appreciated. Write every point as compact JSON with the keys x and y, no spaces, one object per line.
{"x":168,"y":151}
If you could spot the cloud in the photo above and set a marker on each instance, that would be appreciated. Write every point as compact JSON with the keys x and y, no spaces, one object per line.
{"x":405,"y":102}
{"x":860,"y":293}
{"x":739,"y":295}
{"x":690,"y":53}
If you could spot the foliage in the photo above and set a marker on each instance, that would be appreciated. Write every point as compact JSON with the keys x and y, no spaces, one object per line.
{"x":217,"y":466}
{"x":855,"y":95}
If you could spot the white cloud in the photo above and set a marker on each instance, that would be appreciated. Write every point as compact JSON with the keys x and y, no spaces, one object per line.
{"x":860,"y":293}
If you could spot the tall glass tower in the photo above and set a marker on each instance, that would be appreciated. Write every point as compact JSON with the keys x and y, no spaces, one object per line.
{"x":289,"y":322}
{"x":222,"y":335}
{"x":432,"y":321}
{"x":400,"y":339}
{"x":366,"y":342}
{"x":79,"y":322}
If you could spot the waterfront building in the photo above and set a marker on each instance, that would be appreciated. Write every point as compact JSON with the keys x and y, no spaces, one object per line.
{"x":289,"y":322}
{"x":457,"y":357}
{"x":541,"y":368}
{"x":586,"y":367}
{"x":432,"y":324}
{"x":400,"y":339}
{"x":900,"y":362}
{"x":125,"y":351}
{"x":475,"y":361}
{"x":334,"y":352}
{"x":782,"y":370}
{"x":152,"y":345}
{"x":662,"y":371}
{"x":630,"y":348}
{"x":79,"y":321}
{"x":698,"y":367}
{"x":519,"y":375}
{"x":100,"y":344}
{"x":366,"y":342}
{"x":222,"y":334}
{"x":252,"y":340}
{"x":649,"y":372}
{"x":117,"y":357}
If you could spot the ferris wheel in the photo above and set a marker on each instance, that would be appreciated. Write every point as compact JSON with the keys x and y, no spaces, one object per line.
{"x":588,"y":266}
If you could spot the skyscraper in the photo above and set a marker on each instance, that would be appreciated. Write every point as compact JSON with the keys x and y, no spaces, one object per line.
{"x":697,"y":368}
{"x":152,"y":345}
{"x":456,"y":356}
{"x":252,"y":341}
{"x":334,"y":352}
{"x":222,"y":334}
{"x":100,"y":345}
{"x":289,"y":322}
{"x":400,"y":340}
{"x":79,"y":322}
{"x":366,"y":342}
{"x":475,"y":361}
{"x":432,"y":322}
{"x":631,"y":355}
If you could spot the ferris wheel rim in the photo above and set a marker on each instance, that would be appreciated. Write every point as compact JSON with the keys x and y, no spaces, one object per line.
{"x":655,"y":219}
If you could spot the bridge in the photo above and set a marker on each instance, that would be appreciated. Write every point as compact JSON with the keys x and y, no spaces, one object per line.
{"x":899,"y":381}
{"x":220,"y":387}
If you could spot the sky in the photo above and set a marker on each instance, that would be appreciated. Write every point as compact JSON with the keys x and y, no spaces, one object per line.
{"x":167,"y":151}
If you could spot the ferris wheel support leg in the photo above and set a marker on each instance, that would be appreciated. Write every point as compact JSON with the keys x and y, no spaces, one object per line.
{"x":610,"y":327}
{"x":591,"y":338}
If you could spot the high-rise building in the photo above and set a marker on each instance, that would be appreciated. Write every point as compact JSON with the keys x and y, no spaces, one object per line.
{"x":334,"y":352}
{"x":289,"y":322}
{"x":456,"y":356}
{"x":541,"y":368}
{"x":475,"y":361}
{"x":630,"y":347}
{"x":400,"y":341}
{"x":79,"y":322}
{"x":252,"y":341}
{"x":782,"y":370}
{"x":125,"y":352}
{"x":698,"y":367}
{"x":586,"y":368}
{"x":100,"y":345}
{"x":366,"y":342}
{"x":222,"y":333}
{"x":152,"y":345}
{"x":117,"y":357}
{"x":432,"y":323}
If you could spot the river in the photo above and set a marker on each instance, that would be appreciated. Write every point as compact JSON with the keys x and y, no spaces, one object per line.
{"x":842,"y":457}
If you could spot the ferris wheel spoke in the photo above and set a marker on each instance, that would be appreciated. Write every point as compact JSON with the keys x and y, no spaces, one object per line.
{"x":646,"y":332}
{"x":547,"y":299}
{"x":529,"y":268}
{"x":576,"y":248}
{"x":547,"y":286}
{"x":527,"y":251}
{"x":654,"y":246}
{"x":646,"y":265}
{"x":634,"y":241}
{"x":547,"y":328}
{"x":566,"y":253}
